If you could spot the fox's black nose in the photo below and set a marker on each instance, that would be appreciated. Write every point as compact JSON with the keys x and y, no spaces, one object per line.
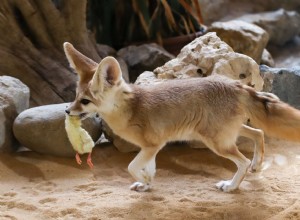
{"x":68,"y":111}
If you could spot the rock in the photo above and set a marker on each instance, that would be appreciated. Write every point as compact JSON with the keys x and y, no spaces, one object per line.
{"x":147,"y":78}
{"x":14,"y":98}
{"x":204,"y":56}
{"x":266,"y":5}
{"x":217,"y":10}
{"x":287,"y":55}
{"x":283,"y":82}
{"x":143,"y":58}
{"x":267,"y":59}
{"x":7,"y":115}
{"x":281,"y":25}
{"x":105,"y":50}
{"x":243,"y":37}
{"x":14,"y":89}
{"x":42,"y":129}
{"x":124,"y":69}
{"x":213,"y":10}
{"x":268,"y":78}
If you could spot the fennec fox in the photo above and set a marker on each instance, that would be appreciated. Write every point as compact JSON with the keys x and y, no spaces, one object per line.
{"x":212,"y":110}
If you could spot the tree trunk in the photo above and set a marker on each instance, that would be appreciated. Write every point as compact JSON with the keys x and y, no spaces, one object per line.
{"x":31,"y":45}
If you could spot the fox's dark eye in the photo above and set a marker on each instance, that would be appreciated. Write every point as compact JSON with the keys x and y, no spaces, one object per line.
{"x":85,"y":101}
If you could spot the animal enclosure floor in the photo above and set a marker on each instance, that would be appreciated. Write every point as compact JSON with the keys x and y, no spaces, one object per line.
{"x":34,"y":186}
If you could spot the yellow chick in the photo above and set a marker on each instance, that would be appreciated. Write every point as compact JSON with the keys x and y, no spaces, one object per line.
{"x":79,"y":138}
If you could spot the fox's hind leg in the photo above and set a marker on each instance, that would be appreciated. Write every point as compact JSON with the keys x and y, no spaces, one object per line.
{"x":257,"y":136}
{"x":142,"y":168}
{"x":223,"y":144}
{"x":233,"y":154}
{"x":221,"y":140}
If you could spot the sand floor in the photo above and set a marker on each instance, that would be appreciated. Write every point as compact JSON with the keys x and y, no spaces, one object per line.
{"x":34,"y":186}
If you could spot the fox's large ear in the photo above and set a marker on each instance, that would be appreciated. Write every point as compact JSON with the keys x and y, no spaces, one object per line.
{"x":108,"y":71}
{"x":84,"y":66}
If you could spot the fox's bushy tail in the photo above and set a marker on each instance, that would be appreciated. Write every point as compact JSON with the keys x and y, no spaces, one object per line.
{"x":274,"y":117}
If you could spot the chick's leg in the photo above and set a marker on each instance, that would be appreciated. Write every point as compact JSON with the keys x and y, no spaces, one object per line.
{"x":78,"y":158}
{"x":89,"y":160}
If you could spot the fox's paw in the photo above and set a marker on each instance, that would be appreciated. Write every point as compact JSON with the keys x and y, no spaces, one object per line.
{"x":255,"y":166}
{"x":225,"y":186}
{"x":140,"y":187}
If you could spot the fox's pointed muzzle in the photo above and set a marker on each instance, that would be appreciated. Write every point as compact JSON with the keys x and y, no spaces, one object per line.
{"x":69,"y":108}
{"x":74,"y":109}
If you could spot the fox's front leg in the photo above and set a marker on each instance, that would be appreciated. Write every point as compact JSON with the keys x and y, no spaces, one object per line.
{"x":142,"y":168}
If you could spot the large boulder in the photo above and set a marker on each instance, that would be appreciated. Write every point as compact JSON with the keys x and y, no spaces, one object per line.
{"x":283,"y":82}
{"x":42,"y":129}
{"x":205,"y":56}
{"x":142,"y":58}
{"x":281,"y":25}
{"x":242,"y":37}
{"x":14,"y":98}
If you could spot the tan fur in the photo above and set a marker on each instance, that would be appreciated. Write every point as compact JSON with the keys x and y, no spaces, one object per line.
{"x":276,"y":118}
{"x":210,"y":109}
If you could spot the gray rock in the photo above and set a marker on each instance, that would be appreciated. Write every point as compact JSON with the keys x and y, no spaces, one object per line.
{"x":243,"y":37}
{"x":143,"y":58}
{"x":287,"y":55}
{"x":281,"y":25}
{"x":213,"y":10}
{"x":7,"y":115}
{"x":268,"y":5}
{"x":267,"y":59}
{"x":283,"y":82}
{"x":42,"y":129}
{"x":124,"y":69}
{"x":105,"y":50}
{"x":14,"y":89}
{"x":225,"y":10}
{"x":14,"y":98}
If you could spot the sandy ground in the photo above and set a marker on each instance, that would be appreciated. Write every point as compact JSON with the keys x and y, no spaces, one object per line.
{"x":34,"y":186}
